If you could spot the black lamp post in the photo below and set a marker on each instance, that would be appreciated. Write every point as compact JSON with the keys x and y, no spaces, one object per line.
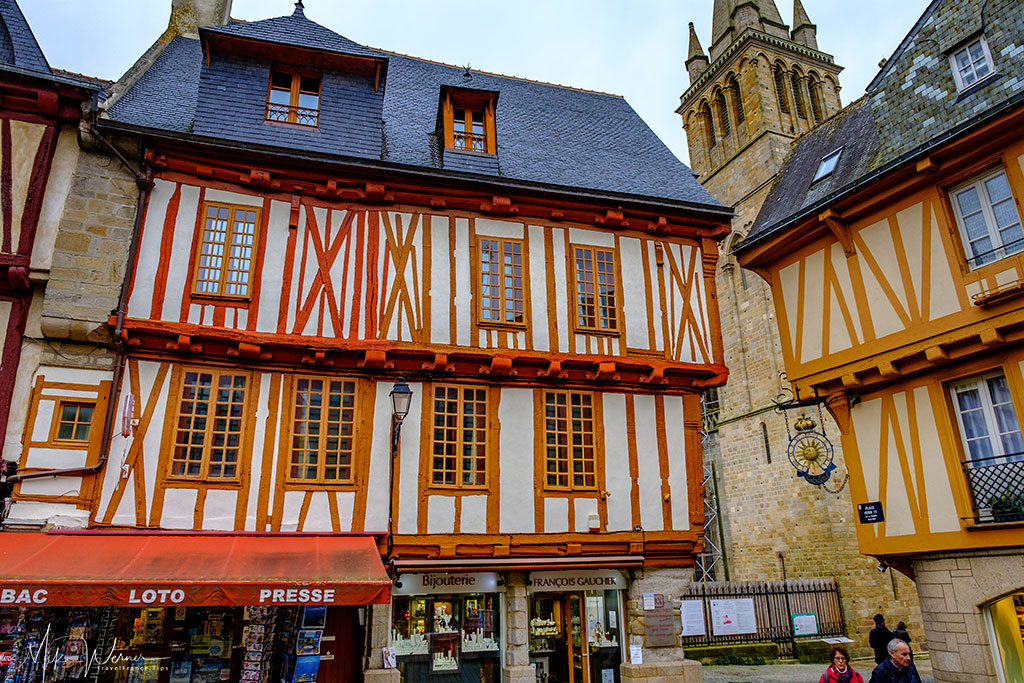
{"x":401,"y":399}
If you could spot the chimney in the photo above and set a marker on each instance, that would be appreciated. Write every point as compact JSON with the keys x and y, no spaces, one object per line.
{"x":188,"y":15}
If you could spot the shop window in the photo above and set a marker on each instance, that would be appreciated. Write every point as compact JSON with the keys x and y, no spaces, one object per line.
{"x":459,"y":457}
{"x":971,"y":63}
{"x":1007,"y":619}
{"x":72,"y":422}
{"x":501,"y":282}
{"x":570,"y":453}
{"x":469,"y":124}
{"x":225,"y":253}
{"x":323,"y":438}
{"x":454,"y":634}
{"x":596,"y":289}
{"x":986,"y":214}
{"x":570,"y":629}
{"x":209,"y":425}
{"x":294,"y":98}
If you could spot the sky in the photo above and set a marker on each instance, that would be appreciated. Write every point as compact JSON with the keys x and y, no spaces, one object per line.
{"x":633,"y":48}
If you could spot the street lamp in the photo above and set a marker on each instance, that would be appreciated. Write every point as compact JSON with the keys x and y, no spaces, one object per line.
{"x":401,"y":399}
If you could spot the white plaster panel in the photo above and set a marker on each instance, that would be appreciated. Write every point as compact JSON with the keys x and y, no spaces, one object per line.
{"x":463,"y":302}
{"x":878,"y":238}
{"x":219,"y":510}
{"x":346,"y":509}
{"x":700,"y":302}
{"x":560,"y":304}
{"x":538,"y":303}
{"x":73,"y":375}
{"x":814,"y":303}
{"x":838,"y":332}
{"x":867,"y":417}
{"x":179,"y":508}
{"x":488,"y":227}
{"x":59,"y":486}
{"x":65,"y":514}
{"x":942,"y":514}
{"x":260,"y":426}
{"x":1005,"y":277}
{"x":50,"y":393}
{"x":789,"y":285}
{"x":595,"y":238}
{"x":440,"y":514}
{"x":324,"y":223}
{"x":440,"y":282}
{"x":584,"y":507}
{"x":55,"y":458}
{"x":879,"y":243}
{"x":380,"y":463}
{"x":344,"y":284}
{"x":634,"y":293}
{"x":5,"y":317}
{"x":409,"y":470}
{"x":181,"y":256}
{"x":556,"y":515}
{"x":291,"y":509}
{"x":25,"y":139}
{"x":649,"y":481}
{"x":318,"y":516}
{"x":898,"y":521}
{"x":153,"y":436}
{"x":111,"y":473}
{"x":401,"y":224}
{"x":677,"y":455}
{"x":273,"y":267}
{"x":911,"y":226}
{"x":839,"y":325}
{"x":973,"y":288}
{"x":515,"y":468}
{"x":943,"y":298}
{"x":652,"y":263}
{"x":140,"y":302}
{"x":473,"y":519}
{"x":58,"y":185}
{"x":616,"y":463}
{"x":44,"y":420}
{"x":227,"y":197}
{"x":195,"y":314}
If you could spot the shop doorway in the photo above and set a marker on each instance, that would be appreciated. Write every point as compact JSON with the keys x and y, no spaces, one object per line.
{"x":574,"y":637}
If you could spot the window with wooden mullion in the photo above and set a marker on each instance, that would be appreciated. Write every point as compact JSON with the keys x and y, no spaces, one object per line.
{"x":571,"y":456}
{"x":469,"y":129}
{"x":210,"y":418}
{"x":459,"y":458}
{"x":501,"y":282}
{"x":224,"y":262}
{"x":596,"y":289}
{"x":293,"y":98}
{"x":74,"y":421}
{"x":323,"y":431}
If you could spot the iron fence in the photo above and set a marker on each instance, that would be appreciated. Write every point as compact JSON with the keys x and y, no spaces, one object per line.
{"x":774,"y":604}
{"x":997,"y":488}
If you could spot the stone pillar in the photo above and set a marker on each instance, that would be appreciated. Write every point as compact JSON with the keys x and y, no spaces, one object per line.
{"x":517,"y":667}
{"x":660,"y":664}
{"x":378,"y":633}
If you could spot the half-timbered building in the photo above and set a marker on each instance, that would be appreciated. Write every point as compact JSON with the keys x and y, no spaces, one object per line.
{"x":325,"y":228}
{"x":892,"y":244}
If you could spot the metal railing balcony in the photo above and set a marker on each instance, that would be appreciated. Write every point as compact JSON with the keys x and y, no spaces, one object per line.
{"x":997,"y":488}
{"x":288,"y":114}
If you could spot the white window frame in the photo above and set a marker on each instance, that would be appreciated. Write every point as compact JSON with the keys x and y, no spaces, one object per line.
{"x":999,"y":250}
{"x":827,"y":165}
{"x":980,"y":382}
{"x":966,"y":47}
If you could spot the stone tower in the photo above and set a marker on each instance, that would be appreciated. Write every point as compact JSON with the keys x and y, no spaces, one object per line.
{"x":760,"y":86}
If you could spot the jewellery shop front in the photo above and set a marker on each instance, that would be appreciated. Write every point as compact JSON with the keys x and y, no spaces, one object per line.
{"x":576,"y":625}
{"x":125,"y":607}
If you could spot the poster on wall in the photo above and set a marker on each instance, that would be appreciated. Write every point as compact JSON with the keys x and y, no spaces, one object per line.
{"x":692,"y":613}
{"x":805,"y":624}
{"x":733,"y":617}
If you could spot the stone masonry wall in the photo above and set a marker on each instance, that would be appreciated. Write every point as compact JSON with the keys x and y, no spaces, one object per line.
{"x":954,"y":588}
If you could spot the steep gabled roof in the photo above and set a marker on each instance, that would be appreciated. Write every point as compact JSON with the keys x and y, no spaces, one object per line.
{"x":18,"y":46}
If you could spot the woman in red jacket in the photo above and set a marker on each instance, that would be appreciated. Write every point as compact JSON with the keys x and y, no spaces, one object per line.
{"x":840,"y":671}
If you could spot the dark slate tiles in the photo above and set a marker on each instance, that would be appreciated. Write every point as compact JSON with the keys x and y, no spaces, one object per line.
{"x":20,"y":46}
{"x":295,"y":30}
{"x":165,"y":96}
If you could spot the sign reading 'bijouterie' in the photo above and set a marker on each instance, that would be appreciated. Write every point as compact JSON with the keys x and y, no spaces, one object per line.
{"x":444,"y":583}
{"x":597,"y":579}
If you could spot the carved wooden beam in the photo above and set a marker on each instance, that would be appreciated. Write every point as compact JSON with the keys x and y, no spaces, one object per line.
{"x":839,"y":228}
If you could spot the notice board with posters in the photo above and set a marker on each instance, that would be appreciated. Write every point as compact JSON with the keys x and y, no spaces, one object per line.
{"x":661,"y":626}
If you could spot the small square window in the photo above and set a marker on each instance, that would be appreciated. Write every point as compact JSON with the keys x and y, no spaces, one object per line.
{"x":294,"y":98}
{"x":827,"y":165}
{"x":74,"y":421}
{"x":971,"y":63}
{"x":986,"y":215}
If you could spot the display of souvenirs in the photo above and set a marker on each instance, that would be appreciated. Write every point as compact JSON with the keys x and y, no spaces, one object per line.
{"x":444,"y":652}
{"x":148,"y":628}
{"x":443,"y":618}
{"x":544,"y":627}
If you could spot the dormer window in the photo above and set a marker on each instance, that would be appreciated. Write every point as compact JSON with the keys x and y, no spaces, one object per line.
{"x":827,"y":165}
{"x":294,"y":98}
{"x":469,"y":120}
{"x":971,"y":63}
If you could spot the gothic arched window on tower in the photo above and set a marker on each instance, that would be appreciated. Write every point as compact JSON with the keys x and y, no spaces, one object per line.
{"x":737,"y":98}
{"x":780,"y":90}
{"x":723,"y":113}
{"x":797,"y":100}
{"x":815,"y":93}
{"x":709,"y":125}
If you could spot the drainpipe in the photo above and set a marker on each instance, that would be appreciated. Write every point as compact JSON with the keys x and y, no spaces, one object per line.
{"x":144,"y":181}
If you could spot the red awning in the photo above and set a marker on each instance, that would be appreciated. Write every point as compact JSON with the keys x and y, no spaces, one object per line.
{"x":166,"y":569}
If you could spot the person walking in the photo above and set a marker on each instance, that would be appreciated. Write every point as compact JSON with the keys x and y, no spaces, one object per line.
{"x":840,"y":671}
{"x":897,"y":667}
{"x":878,"y":639}
{"x":901,"y":632}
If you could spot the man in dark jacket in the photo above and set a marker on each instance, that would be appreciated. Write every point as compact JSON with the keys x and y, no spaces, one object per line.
{"x":897,"y":667}
{"x":879,"y":638}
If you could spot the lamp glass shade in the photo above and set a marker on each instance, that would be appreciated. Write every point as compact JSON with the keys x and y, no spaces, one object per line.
{"x":401,"y":398}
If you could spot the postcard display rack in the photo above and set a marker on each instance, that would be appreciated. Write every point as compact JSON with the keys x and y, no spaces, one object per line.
{"x":38,"y":644}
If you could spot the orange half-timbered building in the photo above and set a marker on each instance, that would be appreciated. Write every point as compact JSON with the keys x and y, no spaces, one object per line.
{"x":324,"y":225}
{"x":892,"y":245}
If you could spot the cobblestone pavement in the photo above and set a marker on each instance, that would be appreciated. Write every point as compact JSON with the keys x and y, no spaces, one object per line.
{"x":793,"y":673}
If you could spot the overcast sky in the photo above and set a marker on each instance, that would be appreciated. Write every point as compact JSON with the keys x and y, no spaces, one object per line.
{"x":633,"y":48}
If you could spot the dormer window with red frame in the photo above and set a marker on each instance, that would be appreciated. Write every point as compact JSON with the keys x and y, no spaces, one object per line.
{"x":294,"y":98}
{"x":469,"y":121}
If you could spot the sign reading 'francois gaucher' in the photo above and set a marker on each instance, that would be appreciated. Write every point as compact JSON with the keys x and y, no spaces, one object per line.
{"x":582,"y":580}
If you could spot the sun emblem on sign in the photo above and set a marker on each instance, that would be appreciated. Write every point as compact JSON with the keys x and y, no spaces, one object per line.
{"x":810,"y":452}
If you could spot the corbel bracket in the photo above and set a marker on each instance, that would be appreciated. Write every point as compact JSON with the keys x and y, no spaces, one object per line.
{"x":839,"y":228}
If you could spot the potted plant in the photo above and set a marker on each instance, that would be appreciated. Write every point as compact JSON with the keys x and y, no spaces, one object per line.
{"x":1007,"y":507}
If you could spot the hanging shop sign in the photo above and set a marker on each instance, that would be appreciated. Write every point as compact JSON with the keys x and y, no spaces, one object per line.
{"x":581,"y":580}
{"x":441,"y":583}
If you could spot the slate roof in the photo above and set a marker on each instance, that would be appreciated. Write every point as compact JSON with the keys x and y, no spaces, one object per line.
{"x":546,"y":134}
{"x":18,"y":46}
{"x":910,"y":106}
